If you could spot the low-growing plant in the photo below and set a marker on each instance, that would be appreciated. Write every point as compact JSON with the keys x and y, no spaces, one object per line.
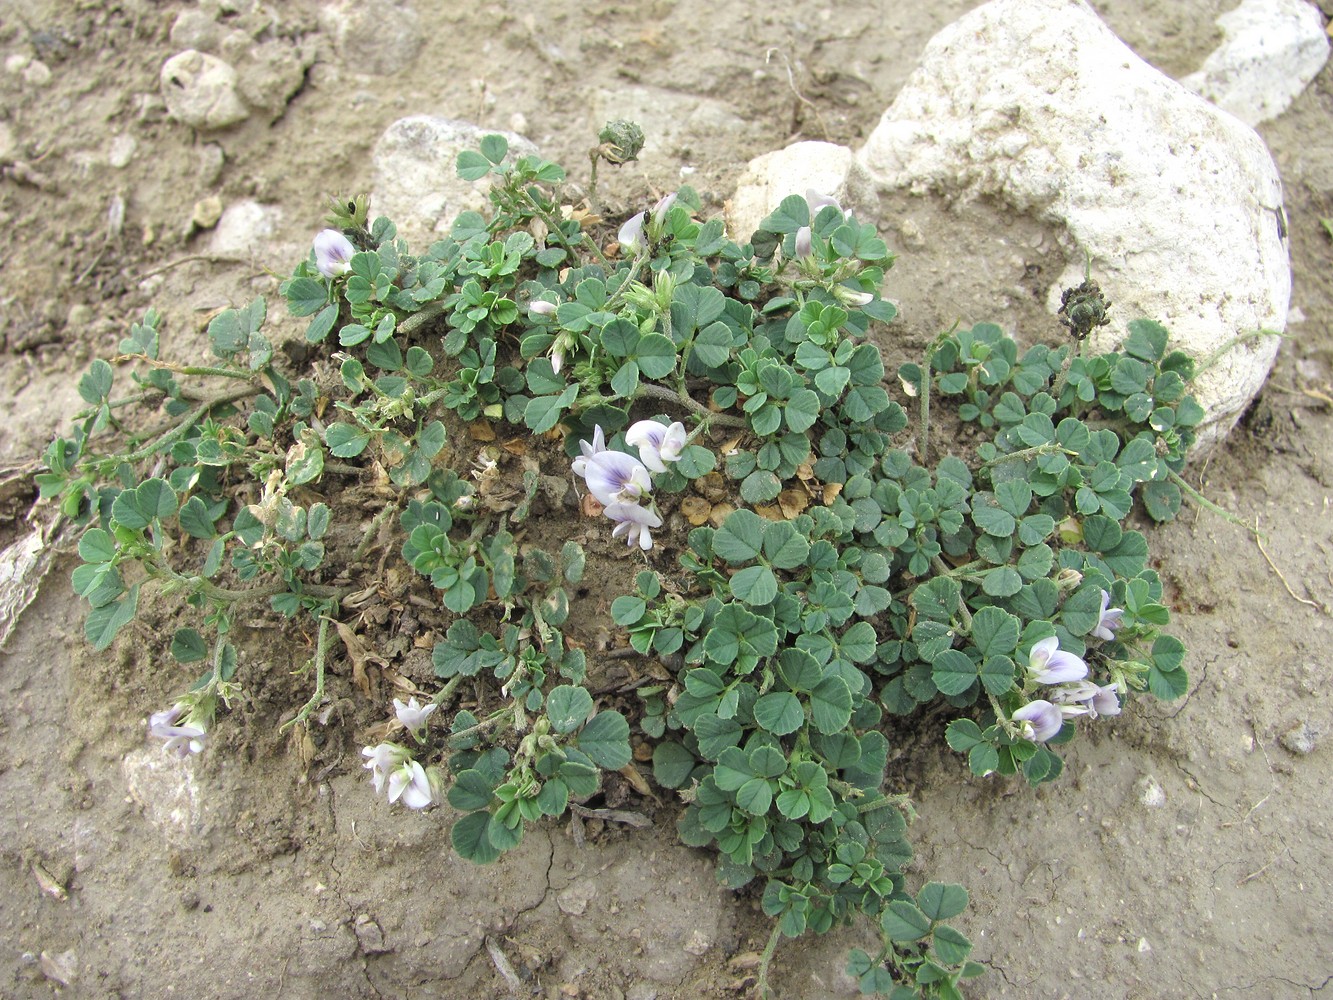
{"x":846,"y":580}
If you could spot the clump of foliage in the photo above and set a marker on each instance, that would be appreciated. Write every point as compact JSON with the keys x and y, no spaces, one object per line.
{"x":804,"y":638}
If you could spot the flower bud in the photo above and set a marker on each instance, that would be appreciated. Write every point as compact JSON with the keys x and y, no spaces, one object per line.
{"x":541,"y":307}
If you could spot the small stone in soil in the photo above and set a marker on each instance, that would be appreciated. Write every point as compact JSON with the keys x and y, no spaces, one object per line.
{"x":1300,"y":739}
{"x":207,"y":211}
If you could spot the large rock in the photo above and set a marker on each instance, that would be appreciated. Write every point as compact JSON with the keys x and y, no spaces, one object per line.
{"x":416,"y":182}
{"x":377,"y":37}
{"x":801,"y":167}
{"x":1036,"y":105}
{"x":1272,"y":50}
{"x":200,"y":90}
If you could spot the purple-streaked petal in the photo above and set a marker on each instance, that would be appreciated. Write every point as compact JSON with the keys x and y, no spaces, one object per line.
{"x":614,"y":477}
{"x":1044,"y":718}
{"x":1049,"y":664}
{"x":648,"y":436}
{"x":674,"y":442}
{"x":1109,"y":620}
{"x":1105,"y":701}
{"x":333,"y":253}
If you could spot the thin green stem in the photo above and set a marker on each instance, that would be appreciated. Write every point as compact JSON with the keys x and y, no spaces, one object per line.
{"x":182,"y":426}
{"x":1058,"y":387}
{"x":249,"y":595}
{"x":1204,"y":502}
{"x":1235,"y":341}
{"x":446,"y":692}
{"x":372,"y":530}
{"x":924,"y":446}
{"x":321,"y":653}
{"x":1026,"y":453}
{"x":203,"y":370}
{"x":761,"y":973}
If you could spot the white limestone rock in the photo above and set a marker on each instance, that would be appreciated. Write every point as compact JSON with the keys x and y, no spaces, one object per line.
{"x":416,"y":182}
{"x":1272,"y":50}
{"x":200,"y":90}
{"x":248,"y":228}
{"x":801,"y":167}
{"x":1037,"y":105}
{"x":374,"y":37}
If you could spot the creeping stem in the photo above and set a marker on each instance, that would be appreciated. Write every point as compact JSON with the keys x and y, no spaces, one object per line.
{"x":761,"y":974}
{"x":655,"y":391}
{"x":321,"y":653}
{"x":182,"y":426}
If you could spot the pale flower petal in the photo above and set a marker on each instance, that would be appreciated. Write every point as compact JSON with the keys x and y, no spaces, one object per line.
{"x":333,"y":253}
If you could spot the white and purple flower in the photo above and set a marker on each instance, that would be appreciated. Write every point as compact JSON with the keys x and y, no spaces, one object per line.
{"x":1049,"y":664}
{"x":180,"y":740}
{"x":1097,"y":699}
{"x":1041,"y":720}
{"x":658,"y":444}
{"x":1109,"y":620}
{"x":616,"y":478}
{"x":333,"y":253}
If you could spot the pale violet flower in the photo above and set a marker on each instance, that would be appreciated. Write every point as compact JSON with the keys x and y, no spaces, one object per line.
{"x":817,"y":201}
{"x":658,"y":444}
{"x":597,"y":445}
{"x":804,"y":245}
{"x":413,"y":716}
{"x":1096,"y":699}
{"x":614,"y":477}
{"x":1041,"y":720}
{"x":630,"y":236}
{"x":409,"y":782}
{"x":1105,"y":702}
{"x":333,"y":253}
{"x":633,"y":522}
{"x":1049,"y":664}
{"x":1109,"y":620}
{"x":180,"y":740}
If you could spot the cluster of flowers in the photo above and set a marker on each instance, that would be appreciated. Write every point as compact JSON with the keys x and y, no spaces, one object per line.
{"x":620,"y":481}
{"x":393,"y":764}
{"x":1074,"y":694}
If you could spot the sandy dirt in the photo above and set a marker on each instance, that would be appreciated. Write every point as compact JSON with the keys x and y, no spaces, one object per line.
{"x":1186,"y":852}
